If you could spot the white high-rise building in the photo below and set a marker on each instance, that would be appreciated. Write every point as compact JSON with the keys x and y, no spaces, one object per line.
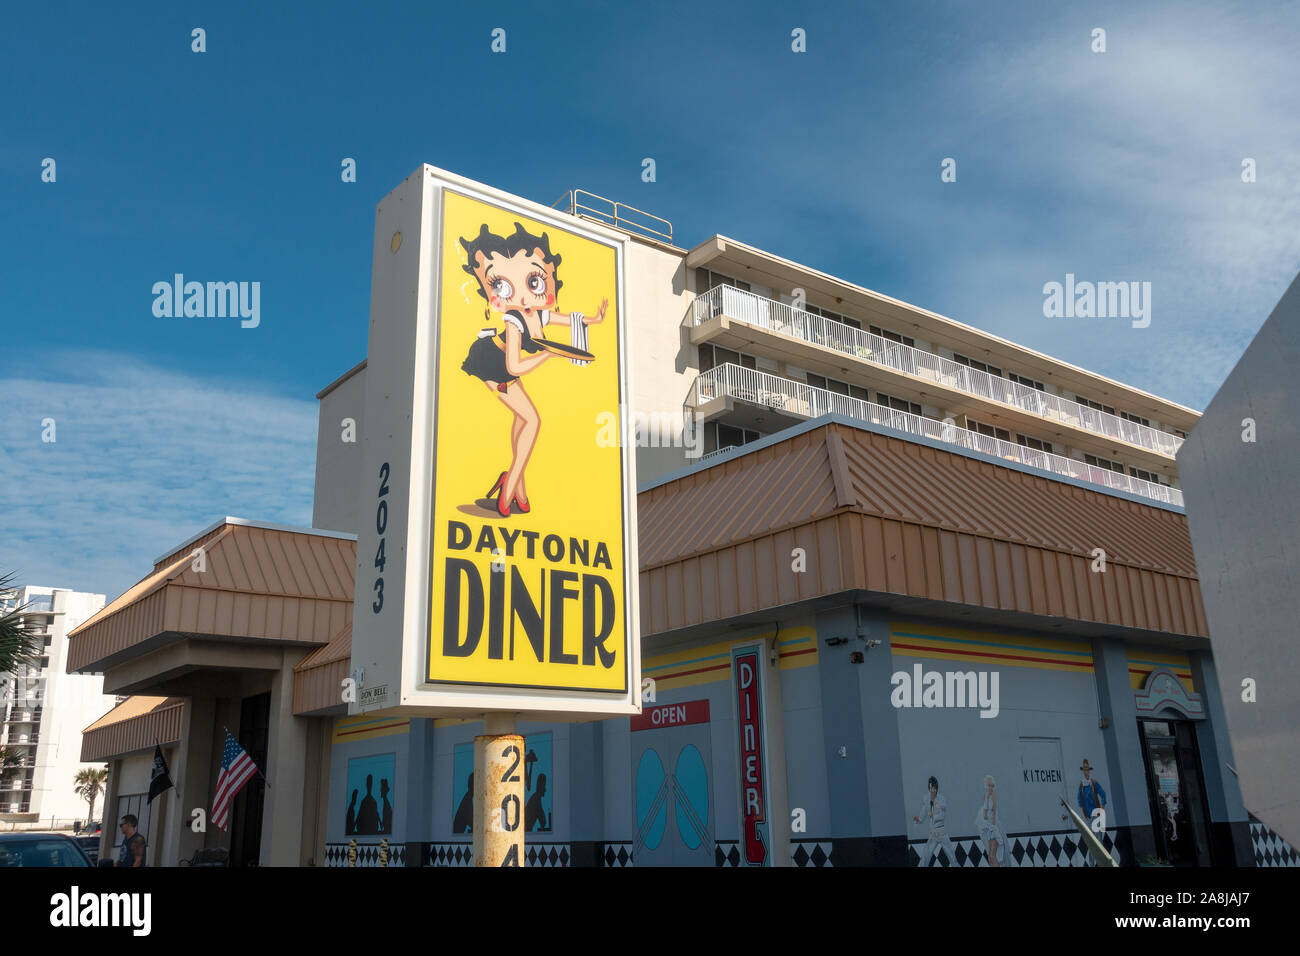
{"x":43,"y":709}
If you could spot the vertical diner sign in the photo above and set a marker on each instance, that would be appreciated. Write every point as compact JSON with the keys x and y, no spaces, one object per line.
{"x":746,"y":672}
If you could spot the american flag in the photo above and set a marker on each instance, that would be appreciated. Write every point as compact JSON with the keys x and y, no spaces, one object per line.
{"x":236,"y":770}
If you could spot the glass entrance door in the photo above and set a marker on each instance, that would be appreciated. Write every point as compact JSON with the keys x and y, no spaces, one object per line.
{"x":246,"y":818}
{"x":1179,"y":814}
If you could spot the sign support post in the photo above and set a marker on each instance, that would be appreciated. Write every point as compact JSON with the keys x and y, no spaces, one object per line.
{"x":498,"y":793}
{"x":496,"y":573}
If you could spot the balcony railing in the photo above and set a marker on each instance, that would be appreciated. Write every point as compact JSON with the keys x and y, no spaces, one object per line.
{"x":777,"y":317}
{"x":808,"y":401}
{"x":717,"y":451}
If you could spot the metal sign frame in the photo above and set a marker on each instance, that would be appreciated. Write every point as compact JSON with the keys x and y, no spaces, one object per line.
{"x":398,"y":471}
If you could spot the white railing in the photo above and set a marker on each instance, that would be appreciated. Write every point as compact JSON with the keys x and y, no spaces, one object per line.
{"x":717,"y":451}
{"x":808,"y":401}
{"x":777,"y":317}
{"x":579,"y":202}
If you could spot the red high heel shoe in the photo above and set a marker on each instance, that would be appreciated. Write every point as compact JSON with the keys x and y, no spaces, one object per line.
{"x":493,"y":490}
{"x":521,"y":504}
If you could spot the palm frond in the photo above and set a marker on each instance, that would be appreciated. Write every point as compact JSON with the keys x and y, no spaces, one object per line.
{"x":18,"y":645}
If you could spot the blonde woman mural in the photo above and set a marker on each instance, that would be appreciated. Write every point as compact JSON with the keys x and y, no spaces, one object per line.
{"x":518,"y":277}
{"x":986,"y":818}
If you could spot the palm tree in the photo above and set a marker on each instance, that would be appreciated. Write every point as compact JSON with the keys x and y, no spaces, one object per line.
{"x":90,"y":784}
{"x":18,"y":645}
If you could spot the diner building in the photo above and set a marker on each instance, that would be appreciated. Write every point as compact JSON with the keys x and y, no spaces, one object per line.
{"x":879,"y":549}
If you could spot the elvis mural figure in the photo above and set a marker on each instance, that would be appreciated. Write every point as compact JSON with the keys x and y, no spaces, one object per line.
{"x":934,"y":814}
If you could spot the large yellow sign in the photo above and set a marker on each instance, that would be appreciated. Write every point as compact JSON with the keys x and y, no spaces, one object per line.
{"x":527,"y":538}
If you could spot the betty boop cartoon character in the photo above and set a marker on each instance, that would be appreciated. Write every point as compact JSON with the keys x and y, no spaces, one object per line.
{"x":517,"y":275}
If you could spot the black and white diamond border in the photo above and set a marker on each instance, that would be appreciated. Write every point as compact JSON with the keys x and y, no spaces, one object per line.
{"x":1059,"y":848}
{"x":617,"y":855}
{"x":336,"y":854}
{"x":810,"y":853}
{"x":462,"y":854}
{"x":1270,"y":849}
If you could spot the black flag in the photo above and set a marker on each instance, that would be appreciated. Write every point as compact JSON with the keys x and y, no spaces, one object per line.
{"x":161,"y":779}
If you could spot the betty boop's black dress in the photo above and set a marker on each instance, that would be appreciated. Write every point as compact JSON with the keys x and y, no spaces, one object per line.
{"x":487,"y":356}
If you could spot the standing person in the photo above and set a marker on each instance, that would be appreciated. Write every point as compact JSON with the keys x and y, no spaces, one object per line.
{"x":517,"y":278}
{"x":133,"y":842}
{"x":934,"y":811}
{"x":995,"y":842}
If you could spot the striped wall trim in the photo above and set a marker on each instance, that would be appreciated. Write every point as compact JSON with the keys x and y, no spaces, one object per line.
{"x":999,"y":650}
{"x":797,"y":647}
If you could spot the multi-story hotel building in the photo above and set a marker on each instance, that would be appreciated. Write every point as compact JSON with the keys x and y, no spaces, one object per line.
{"x":858,"y":497}
{"x":45,"y":709}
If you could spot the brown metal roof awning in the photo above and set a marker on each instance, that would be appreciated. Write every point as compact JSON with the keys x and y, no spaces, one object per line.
{"x":318,"y":677}
{"x":256,"y":586}
{"x":912,"y":523}
{"x":138,"y":723}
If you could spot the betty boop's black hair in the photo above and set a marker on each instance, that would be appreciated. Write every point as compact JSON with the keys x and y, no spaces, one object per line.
{"x":489,"y":243}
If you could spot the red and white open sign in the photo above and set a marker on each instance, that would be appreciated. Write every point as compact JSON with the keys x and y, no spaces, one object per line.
{"x":672,"y":715}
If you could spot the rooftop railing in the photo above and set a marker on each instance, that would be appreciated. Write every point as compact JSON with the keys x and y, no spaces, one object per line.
{"x":808,"y":401}
{"x":774,"y":316}
{"x":579,"y":202}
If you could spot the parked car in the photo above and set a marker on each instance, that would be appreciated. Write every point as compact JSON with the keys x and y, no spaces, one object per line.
{"x":40,"y":849}
{"x":90,"y":845}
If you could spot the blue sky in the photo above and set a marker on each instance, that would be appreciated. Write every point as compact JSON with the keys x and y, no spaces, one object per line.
{"x":225,"y":166}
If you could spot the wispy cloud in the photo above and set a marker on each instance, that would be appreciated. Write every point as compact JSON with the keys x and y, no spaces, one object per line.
{"x":1123,"y":165}
{"x":1131,"y":161}
{"x":143,"y":458}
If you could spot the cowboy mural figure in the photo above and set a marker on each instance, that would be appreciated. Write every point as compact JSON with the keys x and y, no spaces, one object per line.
{"x":518,"y":277}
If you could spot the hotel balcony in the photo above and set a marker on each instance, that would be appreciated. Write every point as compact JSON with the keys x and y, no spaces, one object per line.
{"x":772,"y":402}
{"x":812,"y":339}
